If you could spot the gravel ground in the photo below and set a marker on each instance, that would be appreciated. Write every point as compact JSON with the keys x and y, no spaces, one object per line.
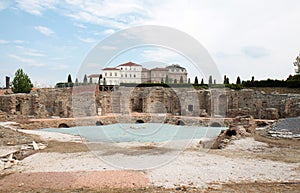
{"x":192,"y":167}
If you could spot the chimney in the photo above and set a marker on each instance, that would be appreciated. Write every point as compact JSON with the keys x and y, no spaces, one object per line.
{"x":7,"y":78}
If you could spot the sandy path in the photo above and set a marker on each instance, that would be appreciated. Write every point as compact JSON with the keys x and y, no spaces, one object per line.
{"x":73,"y":180}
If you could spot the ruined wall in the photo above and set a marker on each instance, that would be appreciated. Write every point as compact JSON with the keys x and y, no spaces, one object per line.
{"x":88,"y":101}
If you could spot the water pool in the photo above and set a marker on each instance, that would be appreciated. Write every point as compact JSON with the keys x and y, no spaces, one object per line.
{"x":147,"y":132}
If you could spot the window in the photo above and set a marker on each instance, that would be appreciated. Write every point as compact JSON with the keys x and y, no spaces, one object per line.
{"x":121,"y":68}
{"x":125,"y":68}
{"x":130,"y":75}
{"x":122,"y":75}
{"x":126,"y":75}
{"x":190,"y":108}
{"x":134,"y":76}
{"x":116,"y":74}
{"x":105,"y":73}
{"x":110,"y":74}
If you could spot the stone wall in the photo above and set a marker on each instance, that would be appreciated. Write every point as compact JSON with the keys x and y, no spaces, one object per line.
{"x":86,"y":100}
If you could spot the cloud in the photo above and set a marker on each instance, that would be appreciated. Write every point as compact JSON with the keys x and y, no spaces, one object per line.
{"x":117,"y":14}
{"x":4,"y":4}
{"x":108,"y":32}
{"x":30,"y":52}
{"x":255,"y":51}
{"x":27,"y":61}
{"x":36,"y":7}
{"x":161,"y":55}
{"x":4,"y":42}
{"x":19,"y":41}
{"x":87,"y":40}
{"x":44,"y":30}
{"x":80,"y":25}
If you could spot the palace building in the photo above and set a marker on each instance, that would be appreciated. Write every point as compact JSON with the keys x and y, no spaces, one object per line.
{"x":135,"y":73}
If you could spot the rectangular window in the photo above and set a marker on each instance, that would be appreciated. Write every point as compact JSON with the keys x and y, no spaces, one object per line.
{"x":105,"y":73}
{"x":115,"y":74}
{"x":110,"y":74}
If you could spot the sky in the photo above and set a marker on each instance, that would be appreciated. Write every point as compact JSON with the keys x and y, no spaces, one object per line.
{"x":51,"y":39}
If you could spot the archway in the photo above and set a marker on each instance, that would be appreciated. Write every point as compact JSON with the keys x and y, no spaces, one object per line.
{"x":139,"y":121}
{"x":63,"y":125}
{"x":180,"y":122}
{"x":99,"y":123}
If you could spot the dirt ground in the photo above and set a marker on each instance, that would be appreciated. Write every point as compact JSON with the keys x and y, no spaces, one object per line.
{"x":282,"y":150}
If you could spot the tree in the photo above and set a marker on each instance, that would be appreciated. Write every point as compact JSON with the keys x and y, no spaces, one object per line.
{"x":175,"y":81}
{"x":162,"y":80}
{"x":76,"y":82}
{"x":202,"y":81}
{"x":85,"y":79}
{"x":21,"y":82}
{"x":226,"y":80}
{"x":215,"y":82}
{"x":181,"y":80}
{"x":69,"y":78}
{"x":297,"y":64}
{"x":189,"y":81}
{"x":238,"y":80}
{"x":196,"y":80}
{"x":91,"y":80}
{"x":104,"y":81}
{"x":167,"y":79}
{"x":210,"y":81}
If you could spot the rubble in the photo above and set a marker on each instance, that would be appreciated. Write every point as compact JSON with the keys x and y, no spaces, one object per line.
{"x":241,"y":126}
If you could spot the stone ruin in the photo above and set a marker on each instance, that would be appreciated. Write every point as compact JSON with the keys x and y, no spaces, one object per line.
{"x":88,"y":100}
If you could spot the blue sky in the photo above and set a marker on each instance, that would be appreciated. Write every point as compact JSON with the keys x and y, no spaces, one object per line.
{"x":50,"y":39}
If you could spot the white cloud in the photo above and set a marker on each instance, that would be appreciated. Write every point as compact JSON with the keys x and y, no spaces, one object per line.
{"x":27,"y":61}
{"x":4,"y":4}
{"x":87,"y":40}
{"x":44,"y":30}
{"x":29,"y":51}
{"x":4,"y":42}
{"x":160,"y":55}
{"x":36,"y":7}
{"x":80,"y":25}
{"x":108,"y":32}
{"x":117,"y":14}
{"x":19,"y":41}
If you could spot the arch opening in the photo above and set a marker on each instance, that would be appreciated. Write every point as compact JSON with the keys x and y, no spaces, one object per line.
{"x":180,"y":122}
{"x":63,"y":125}
{"x":139,"y":121}
{"x":99,"y":123}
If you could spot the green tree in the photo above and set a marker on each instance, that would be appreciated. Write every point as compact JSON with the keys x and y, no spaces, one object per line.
{"x":196,"y":80}
{"x":189,"y":81}
{"x":167,"y":79}
{"x":21,"y":82}
{"x":238,"y":80}
{"x":91,"y":80}
{"x":202,"y":81}
{"x":85,"y":79}
{"x":104,"y":81}
{"x":225,"y":80}
{"x":181,"y":80}
{"x":76,"y":82}
{"x":210,"y":81}
{"x":69,"y":78}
